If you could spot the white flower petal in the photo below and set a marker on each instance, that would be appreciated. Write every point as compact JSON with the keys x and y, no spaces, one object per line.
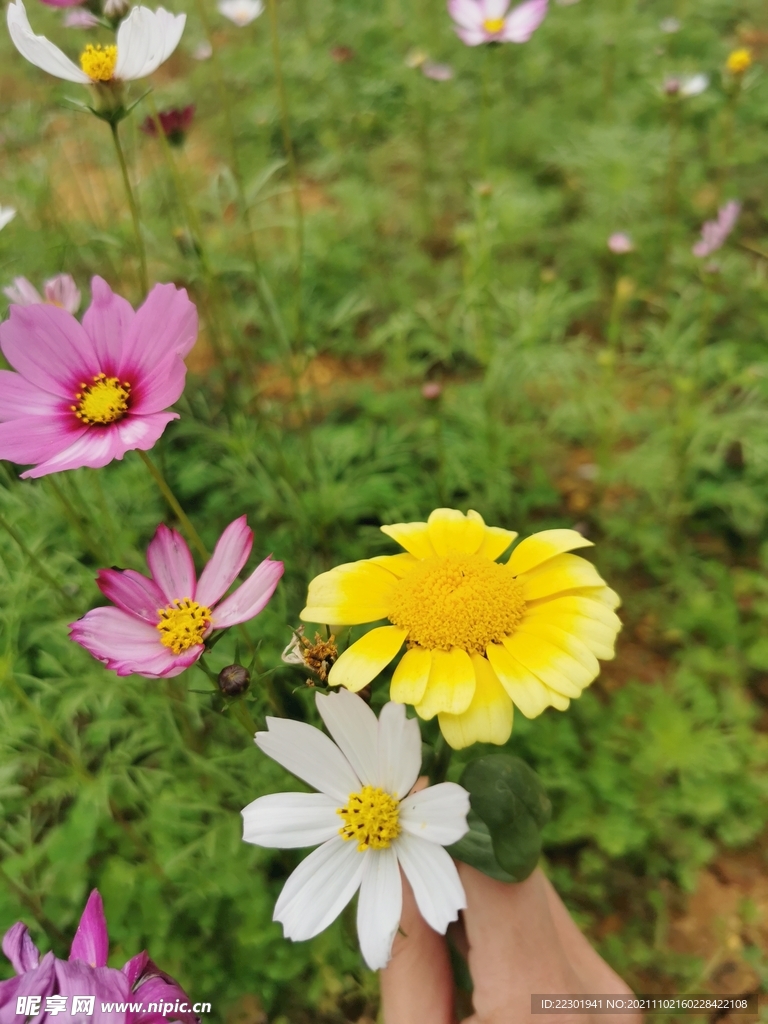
{"x":437,"y":814}
{"x":310,"y":755}
{"x":319,"y":889}
{"x":399,"y":750}
{"x":434,"y":879}
{"x":41,"y":51}
{"x":7,"y":213}
{"x":379,"y":906}
{"x":145,"y":40}
{"x":241,"y":12}
{"x":289,"y":820}
{"x":353,"y":726}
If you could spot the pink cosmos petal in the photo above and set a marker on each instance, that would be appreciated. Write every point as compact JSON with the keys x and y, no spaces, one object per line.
{"x":140,"y":431}
{"x":22,"y":292}
{"x":165,"y":323}
{"x":523,"y":21}
{"x":74,"y":977}
{"x":39,"y":981}
{"x":494,"y":9}
{"x":171,"y":565}
{"x":229,"y":557}
{"x":161,"y":388}
{"x":155,"y":986}
{"x":107,"y":321}
{"x":466,"y":13}
{"x":134,"y":593}
{"x":20,"y":949}
{"x":91,"y":941}
{"x":134,"y":968}
{"x":129,"y":645}
{"x":34,"y":439}
{"x":251,"y":598}
{"x":94,"y":448}
{"x":19,"y":398}
{"x":473,"y":37}
{"x":49,"y":348}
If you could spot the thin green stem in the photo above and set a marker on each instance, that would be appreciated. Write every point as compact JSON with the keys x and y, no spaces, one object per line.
{"x":192,"y":535}
{"x":134,"y":208}
{"x":39,"y":567}
{"x":293,"y":170}
{"x":441,"y":761}
{"x":76,"y":523}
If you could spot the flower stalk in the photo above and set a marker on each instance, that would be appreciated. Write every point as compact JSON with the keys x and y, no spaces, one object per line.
{"x":141,"y":252}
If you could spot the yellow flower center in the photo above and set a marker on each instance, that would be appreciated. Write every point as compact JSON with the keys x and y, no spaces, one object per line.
{"x":493,"y":25}
{"x":739,"y":61}
{"x":371,"y":817}
{"x":103,"y":401}
{"x":182,"y":624}
{"x":456,"y":600}
{"x":98,"y":62}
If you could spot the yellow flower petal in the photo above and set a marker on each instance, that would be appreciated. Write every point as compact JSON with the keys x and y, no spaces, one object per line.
{"x":350,"y":594}
{"x":451,"y":684}
{"x":410,"y":678}
{"x":589,"y":620}
{"x":363,"y":661}
{"x":488,"y":719}
{"x":414,"y":537}
{"x":557,"y":700}
{"x":540,"y":547}
{"x":496,"y":542}
{"x":399,"y":565}
{"x":563,"y":572}
{"x":526,"y":690}
{"x":567,"y":642}
{"x":550,"y":663}
{"x":606,"y":596}
{"x":450,"y":530}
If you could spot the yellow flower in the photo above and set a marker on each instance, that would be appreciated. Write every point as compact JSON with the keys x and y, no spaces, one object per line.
{"x":739,"y":61}
{"x":481,"y":635}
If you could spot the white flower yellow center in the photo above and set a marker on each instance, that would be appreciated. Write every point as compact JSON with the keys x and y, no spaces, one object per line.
{"x":455,"y":600}
{"x":103,"y":401}
{"x":183,"y":624}
{"x":493,"y":25}
{"x":98,"y":62}
{"x":371,"y":817}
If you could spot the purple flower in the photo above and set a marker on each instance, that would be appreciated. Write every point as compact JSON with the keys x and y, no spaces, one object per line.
{"x":490,"y":21}
{"x":160,"y":623}
{"x":437,"y":72}
{"x":79,"y":17}
{"x":60,"y":290}
{"x":175,"y":123}
{"x":620,"y":242}
{"x":139,"y":983}
{"x":83,"y":395}
{"x":715,"y":232}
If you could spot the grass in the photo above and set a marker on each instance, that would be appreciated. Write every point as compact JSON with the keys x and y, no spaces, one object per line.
{"x":453,"y":233}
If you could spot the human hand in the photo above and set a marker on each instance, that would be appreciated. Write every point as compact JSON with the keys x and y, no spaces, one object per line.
{"x":518,"y":939}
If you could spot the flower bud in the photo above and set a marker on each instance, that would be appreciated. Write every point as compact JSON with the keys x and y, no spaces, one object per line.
{"x":234,"y":680}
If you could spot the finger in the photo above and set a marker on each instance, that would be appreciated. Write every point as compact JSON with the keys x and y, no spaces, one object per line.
{"x":417,"y":984}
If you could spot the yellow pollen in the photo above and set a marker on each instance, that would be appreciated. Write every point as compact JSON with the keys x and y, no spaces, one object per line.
{"x":455,"y":600}
{"x":103,"y":401}
{"x":739,"y":61}
{"x":371,"y":817}
{"x":182,"y":624}
{"x":98,"y":62}
{"x":493,"y":25}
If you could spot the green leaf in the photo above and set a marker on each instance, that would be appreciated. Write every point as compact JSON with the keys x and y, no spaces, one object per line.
{"x":508,"y":798}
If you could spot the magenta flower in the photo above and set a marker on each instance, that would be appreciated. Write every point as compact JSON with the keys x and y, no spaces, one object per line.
{"x":60,"y":290}
{"x":83,"y":395}
{"x":160,"y":623}
{"x":489,"y":21}
{"x":715,"y":232}
{"x":130,"y":990}
{"x":175,"y":123}
{"x":63,"y":3}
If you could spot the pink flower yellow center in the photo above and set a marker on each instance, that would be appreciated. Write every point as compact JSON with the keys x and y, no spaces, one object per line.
{"x":493,"y":25}
{"x":456,"y":600}
{"x":372,"y":818}
{"x":98,"y":62}
{"x":103,"y":401}
{"x":183,"y":624}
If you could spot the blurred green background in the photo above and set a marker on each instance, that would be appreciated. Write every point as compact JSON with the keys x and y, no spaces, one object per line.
{"x":454,"y":233}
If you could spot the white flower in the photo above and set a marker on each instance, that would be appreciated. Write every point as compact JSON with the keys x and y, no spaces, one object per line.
{"x":242,"y":12}
{"x":144,"y":41}
{"x":693,"y":85}
{"x":670,"y":25}
{"x":7,"y":213}
{"x":367,"y":824}
{"x":202,"y":51}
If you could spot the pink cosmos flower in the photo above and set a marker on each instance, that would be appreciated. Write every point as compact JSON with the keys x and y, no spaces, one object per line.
{"x":488,"y":21}
{"x":63,"y":3}
{"x":620,"y":242}
{"x":130,"y":989}
{"x":60,"y":290}
{"x":160,"y":623}
{"x":79,"y":17}
{"x":715,"y":232}
{"x":83,"y":395}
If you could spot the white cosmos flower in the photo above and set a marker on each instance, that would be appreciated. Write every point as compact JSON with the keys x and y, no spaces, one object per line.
{"x":7,"y":213}
{"x":144,"y":41}
{"x":368,"y":825}
{"x":241,"y":12}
